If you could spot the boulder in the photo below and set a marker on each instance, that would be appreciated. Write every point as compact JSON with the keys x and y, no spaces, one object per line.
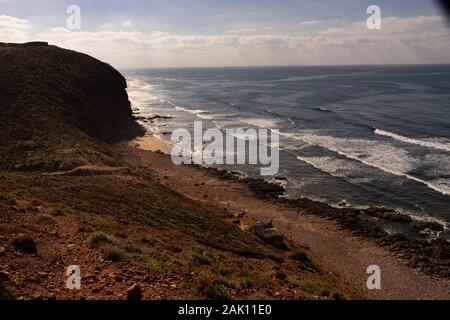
{"x":267,"y":233}
{"x":134,"y":293}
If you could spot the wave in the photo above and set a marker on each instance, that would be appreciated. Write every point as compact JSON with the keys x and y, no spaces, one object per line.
{"x":261,"y":122}
{"x":191,"y":111}
{"x":434,"y":143}
{"x":385,"y":157}
{"x":340,"y":168}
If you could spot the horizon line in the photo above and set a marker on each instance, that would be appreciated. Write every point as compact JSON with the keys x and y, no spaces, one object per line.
{"x":293,"y":66}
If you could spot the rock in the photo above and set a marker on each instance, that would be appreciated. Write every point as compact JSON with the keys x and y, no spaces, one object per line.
{"x":4,"y":276}
{"x":239,"y":215}
{"x":267,"y":233}
{"x":237,"y":221}
{"x":24,"y":243}
{"x":2,"y":251}
{"x":419,"y":226}
{"x":37,"y":296}
{"x":134,"y":292}
{"x":343,"y":203}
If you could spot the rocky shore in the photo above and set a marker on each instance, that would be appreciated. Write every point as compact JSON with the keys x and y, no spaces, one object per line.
{"x":410,"y":239}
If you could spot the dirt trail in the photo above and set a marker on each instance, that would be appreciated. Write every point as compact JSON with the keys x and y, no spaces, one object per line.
{"x":338,"y":250}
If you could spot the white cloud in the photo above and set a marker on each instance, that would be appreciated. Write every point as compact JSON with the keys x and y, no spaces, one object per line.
{"x":127,"y":24}
{"x":13,"y":29}
{"x":401,"y":40}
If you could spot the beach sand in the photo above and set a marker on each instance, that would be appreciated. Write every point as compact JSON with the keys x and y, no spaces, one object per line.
{"x":346,"y":255}
{"x":151,"y":143}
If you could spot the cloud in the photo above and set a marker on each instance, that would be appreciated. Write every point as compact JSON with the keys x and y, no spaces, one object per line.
{"x":13,"y":29}
{"x":421,"y":39}
{"x":311,"y":22}
{"x":127,"y":24}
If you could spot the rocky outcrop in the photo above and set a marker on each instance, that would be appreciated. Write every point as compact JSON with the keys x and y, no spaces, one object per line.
{"x":60,"y":108}
{"x":267,"y":233}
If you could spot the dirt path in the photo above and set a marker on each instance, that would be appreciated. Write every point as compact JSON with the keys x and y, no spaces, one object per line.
{"x":339,"y":251}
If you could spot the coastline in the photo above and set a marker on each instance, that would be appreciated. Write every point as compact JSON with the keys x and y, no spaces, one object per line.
{"x":151,"y":143}
{"x":321,"y":228}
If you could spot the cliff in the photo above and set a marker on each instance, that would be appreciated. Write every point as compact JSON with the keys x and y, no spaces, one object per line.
{"x":59,"y":107}
{"x":70,"y":196}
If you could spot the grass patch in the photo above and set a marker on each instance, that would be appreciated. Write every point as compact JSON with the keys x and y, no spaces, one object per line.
{"x":8,"y":199}
{"x":100,"y":239}
{"x":25,"y":244}
{"x":318,"y":289}
{"x":113,"y":253}
{"x":157,"y":266}
{"x":60,"y":210}
{"x":216,"y":291}
{"x":105,"y":223}
{"x":204,"y":259}
{"x":247,"y":283}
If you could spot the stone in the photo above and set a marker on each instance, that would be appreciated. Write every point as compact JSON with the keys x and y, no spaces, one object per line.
{"x":134,"y":293}
{"x":267,"y":233}
{"x":239,"y":215}
{"x":4,"y":276}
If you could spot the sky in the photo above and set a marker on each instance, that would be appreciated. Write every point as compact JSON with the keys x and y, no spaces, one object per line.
{"x":200,"y":33}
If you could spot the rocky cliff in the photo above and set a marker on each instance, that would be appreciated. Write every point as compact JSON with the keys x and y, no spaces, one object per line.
{"x":58,"y":107}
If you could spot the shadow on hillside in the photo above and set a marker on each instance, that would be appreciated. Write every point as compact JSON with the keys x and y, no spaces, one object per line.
{"x":4,"y":294}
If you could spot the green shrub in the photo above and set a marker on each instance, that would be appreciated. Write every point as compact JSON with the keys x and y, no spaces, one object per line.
{"x":99,"y":239}
{"x":156,"y":266}
{"x":113,"y":253}
{"x":60,"y":210}
{"x":216,"y":291}
{"x":204,"y":259}
{"x":25,"y":244}
{"x":8,"y":199}
{"x":247,"y":283}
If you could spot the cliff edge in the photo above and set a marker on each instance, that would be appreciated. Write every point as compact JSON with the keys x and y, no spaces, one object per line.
{"x":59,"y":107}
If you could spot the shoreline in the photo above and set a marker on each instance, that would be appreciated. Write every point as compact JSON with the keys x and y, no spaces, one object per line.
{"x":151,"y":143}
{"x":368,"y":224}
{"x":274,"y":189}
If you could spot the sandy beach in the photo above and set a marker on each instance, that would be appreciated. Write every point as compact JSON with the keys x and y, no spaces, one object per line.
{"x":339,"y":251}
{"x":151,"y":143}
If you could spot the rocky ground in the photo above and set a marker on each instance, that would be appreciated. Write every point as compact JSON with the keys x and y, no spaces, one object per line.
{"x":344,"y":245}
{"x":136,"y":239}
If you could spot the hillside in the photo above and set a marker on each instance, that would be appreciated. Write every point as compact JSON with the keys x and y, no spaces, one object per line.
{"x":68,"y":197}
{"x":59,"y":106}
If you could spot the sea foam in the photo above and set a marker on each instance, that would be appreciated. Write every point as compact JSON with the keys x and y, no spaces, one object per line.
{"x":435,"y":143}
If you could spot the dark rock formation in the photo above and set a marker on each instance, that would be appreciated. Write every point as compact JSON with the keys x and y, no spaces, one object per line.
{"x":60,"y":108}
{"x":267,"y":233}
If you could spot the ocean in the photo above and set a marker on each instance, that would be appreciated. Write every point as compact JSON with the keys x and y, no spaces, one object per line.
{"x":369,"y":135}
